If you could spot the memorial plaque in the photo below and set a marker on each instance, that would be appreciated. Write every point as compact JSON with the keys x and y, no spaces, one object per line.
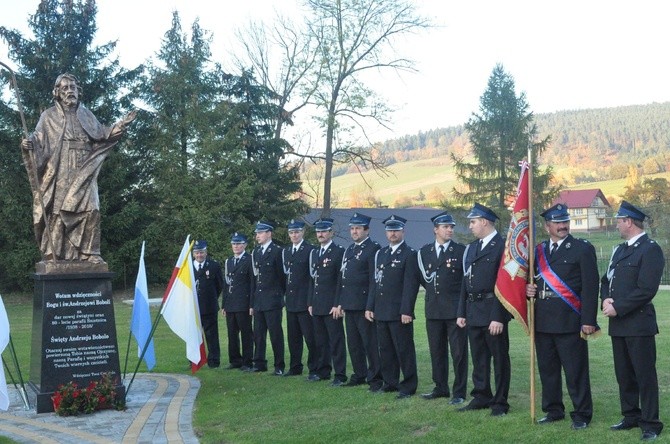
{"x":74,"y":333}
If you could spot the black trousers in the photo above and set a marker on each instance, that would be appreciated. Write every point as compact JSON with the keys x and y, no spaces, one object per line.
{"x":299,"y":327}
{"x":210,"y":326}
{"x":483,"y":347}
{"x":264,"y":322}
{"x":444,"y":334}
{"x":331,"y":349}
{"x":397,"y":353}
{"x":239,"y":328}
{"x":635,"y":369}
{"x":363,"y":348}
{"x":570,"y":353}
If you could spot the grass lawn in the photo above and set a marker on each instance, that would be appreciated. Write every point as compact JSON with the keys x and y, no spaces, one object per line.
{"x":233,"y":406}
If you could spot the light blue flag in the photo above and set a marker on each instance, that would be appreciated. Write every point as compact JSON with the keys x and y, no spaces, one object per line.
{"x":140,"y":324}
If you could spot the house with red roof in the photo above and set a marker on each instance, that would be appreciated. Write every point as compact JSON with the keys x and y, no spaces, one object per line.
{"x":587,"y":208}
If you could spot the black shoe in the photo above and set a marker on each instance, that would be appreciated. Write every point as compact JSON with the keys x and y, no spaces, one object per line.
{"x":649,"y":435}
{"x":375,"y":387}
{"x":293,"y":373}
{"x":245,"y":368}
{"x":472,"y":406}
{"x":316,"y":378}
{"x":456,"y":401}
{"x":257,"y":370}
{"x":278,"y":372}
{"x":548,"y":419}
{"x":434,"y":395}
{"x":337,"y":383}
{"x":578,"y":425}
{"x":352,"y":383}
{"x":623,"y":425}
{"x":214,"y":365}
{"x":403,"y":395}
{"x":388,"y":389}
{"x":498,"y":413}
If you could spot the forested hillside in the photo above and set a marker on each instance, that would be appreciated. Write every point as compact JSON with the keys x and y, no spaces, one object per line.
{"x":601,"y":143}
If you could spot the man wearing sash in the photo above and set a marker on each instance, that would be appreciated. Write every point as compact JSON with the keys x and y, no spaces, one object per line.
{"x":358,"y":281}
{"x":486,"y":317}
{"x":391,"y":307}
{"x":441,"y":266}
{"x":627,"y":290}
{"x":565,"y":313}
{"x":298,"y":321}
{"x":267,"y":300}
{"x":237,"y":289}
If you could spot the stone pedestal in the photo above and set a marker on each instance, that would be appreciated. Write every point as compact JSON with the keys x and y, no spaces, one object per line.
{"x":74,"y":333}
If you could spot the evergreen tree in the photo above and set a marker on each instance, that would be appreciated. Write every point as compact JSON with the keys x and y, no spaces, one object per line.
{"x":500,"y":136}
{"x":64,"y":32}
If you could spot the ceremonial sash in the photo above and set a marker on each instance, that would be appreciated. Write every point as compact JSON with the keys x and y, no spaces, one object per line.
{"x":556,"y":283}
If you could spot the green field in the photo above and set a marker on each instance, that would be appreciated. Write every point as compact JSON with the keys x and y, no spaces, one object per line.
{"x":408,"y":179}
{"x":233,"y":406}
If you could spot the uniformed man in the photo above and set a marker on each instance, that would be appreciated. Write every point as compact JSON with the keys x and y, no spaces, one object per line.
{"x":358,"y":281}
{"x":299,"y":325}
{"x":486,"y":317}
{"x":565,"y":314}
{"x":441,"y":266}
{"x":627,"y":290}
{"x":267,"y":301}
{"x":209,"y":284}
{"x":237,"y":290}
{"x":326,"y":262}
{"x":391,"y":307}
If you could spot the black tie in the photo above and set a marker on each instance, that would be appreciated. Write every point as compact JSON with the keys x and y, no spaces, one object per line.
{"x":323,"y":250}
{"x":554,"y":246}
{"x":200,"y":267}
{"x":440,"y":255}
{"x":294,"y":250}
{"x":237,"y":259}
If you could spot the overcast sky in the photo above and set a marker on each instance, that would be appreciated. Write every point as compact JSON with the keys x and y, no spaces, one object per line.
{"x":568,"y":54}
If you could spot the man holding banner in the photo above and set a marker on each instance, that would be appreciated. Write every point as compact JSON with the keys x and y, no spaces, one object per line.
{"x":565,"y":314}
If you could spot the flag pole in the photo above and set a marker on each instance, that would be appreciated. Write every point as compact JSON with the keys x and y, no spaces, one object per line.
{"x":531,"y":280}
{"x":22,"y":389}
{"x":146,"y":346}
{"x":130,"y":334}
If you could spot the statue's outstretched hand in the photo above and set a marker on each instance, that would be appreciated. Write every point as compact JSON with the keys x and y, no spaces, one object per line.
{"x":128,"y":118}
{"x":27,"y":144}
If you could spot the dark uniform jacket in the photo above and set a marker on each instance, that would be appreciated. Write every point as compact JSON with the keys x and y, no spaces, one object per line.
{"x":637,"y":275}
{"x":326,"y":279}
{"x":444,"y":292}
{"x":239,"y":284}
{"x":209,"y":284}
{"x":574,"y":262}
{"x":397,"y":283}
{"x":481,"y":270}
{"x":270,"y":279}
{"x":358,"y":276}
{"x":298,"y":278}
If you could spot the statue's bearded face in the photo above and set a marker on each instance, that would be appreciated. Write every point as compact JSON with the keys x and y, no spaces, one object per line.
{"x":68,"y":93}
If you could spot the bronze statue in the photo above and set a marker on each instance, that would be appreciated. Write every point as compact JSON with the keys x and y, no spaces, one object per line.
{"x":66,"y":152}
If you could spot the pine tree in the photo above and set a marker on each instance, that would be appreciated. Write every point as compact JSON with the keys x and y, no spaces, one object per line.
{"x":500,"y":136}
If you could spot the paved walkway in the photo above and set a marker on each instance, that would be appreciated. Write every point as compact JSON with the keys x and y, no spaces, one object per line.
{"x":160,"y":410}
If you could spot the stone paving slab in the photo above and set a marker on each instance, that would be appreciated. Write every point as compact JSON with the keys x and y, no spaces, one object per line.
{"x":159,"y":410}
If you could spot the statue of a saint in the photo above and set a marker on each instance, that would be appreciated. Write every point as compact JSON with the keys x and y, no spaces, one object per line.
{"x":68,"y":148}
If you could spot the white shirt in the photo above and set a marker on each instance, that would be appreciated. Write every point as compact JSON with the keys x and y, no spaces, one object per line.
{"x":437,"y":247}
{"x":487,"y":239}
